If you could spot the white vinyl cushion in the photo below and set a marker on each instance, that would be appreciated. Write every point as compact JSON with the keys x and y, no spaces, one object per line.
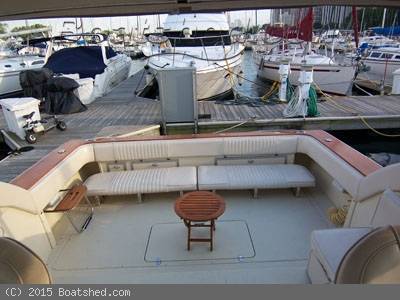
{"x":254,"y":176}
{"x":330,"y":245}
{"x":155,"y":180}
{"x":388,"y":210}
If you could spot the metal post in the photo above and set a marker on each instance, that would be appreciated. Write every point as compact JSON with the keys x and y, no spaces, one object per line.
{"x":284,"y":70}
{"x":305,"y":80}
{"x":396,"y":82}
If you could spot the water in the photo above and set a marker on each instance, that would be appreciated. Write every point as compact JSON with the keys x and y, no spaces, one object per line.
{"x":367,"y":141}
{"x":4,"y":149}
{"x":253,"y":86}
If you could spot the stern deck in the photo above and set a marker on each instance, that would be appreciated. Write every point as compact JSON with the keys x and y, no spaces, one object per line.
{"x":257,"y":240}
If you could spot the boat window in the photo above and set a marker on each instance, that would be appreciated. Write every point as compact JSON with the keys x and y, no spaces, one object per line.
{"x":387,"y":55}
{"x":38,"y":62}
{"x":208,"y":38}
{"x":375,"y":54}
{"x":397,"y":57}
{"x":8,"y":66}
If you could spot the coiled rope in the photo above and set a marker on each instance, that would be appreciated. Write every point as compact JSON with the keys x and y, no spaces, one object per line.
{"x":306,"y":107}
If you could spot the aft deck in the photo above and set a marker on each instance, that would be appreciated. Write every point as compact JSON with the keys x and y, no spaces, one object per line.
{"x":257,"y":240}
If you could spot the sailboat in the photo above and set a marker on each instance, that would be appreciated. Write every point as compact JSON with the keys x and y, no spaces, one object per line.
{"x":329,"y":76}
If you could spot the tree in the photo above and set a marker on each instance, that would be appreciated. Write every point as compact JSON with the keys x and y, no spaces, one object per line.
{"x":22,"y":28}
{"x":106,"y":32}
{"x":29,"y":27}
{"x":3,"y":28}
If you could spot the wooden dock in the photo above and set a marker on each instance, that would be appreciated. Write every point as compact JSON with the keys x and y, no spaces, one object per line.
{"x":121,"y":111}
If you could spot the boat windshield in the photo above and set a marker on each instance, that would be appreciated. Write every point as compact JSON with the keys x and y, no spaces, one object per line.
{"x":199,"y":38}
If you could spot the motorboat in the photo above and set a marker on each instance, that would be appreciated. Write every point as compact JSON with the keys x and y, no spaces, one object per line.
{"x":268,"y":235}
{"x":11,"y":67}
{"x":91,"y":61}
{"x":200,"y":40}
{"x":379,"y":65}
{"x":329,"y":76}
{"x":376,"y":41}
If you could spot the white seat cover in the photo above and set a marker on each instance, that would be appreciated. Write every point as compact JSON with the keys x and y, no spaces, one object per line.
{"x":155,"y":180}
{"x":330,"y":246}
{"x":388,"y":210}
{"x":257,"y":176}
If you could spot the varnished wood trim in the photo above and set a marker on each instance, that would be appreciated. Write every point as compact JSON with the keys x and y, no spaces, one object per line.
{"x":32,"y":175}
{"x":358,"y":161}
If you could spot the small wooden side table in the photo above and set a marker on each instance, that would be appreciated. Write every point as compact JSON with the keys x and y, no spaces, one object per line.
{"x":198,"y":208}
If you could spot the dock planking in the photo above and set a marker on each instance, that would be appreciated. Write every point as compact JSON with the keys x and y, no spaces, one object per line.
{"x":122,"y":107}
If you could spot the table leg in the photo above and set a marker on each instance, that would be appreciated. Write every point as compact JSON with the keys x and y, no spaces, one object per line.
{"x":212,"y":227}
{"x":189,"y":233}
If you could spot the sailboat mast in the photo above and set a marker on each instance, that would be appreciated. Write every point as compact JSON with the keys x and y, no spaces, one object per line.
{"x":384,"y":17}
{"x":137,"y":25}
{"x":362,"y":20}
{"x":355,"y":24}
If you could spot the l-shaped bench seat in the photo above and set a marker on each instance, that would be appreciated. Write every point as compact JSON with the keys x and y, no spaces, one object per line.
{"x":179,"y":179}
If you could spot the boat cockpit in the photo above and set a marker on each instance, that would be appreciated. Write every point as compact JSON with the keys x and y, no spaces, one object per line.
{"x":296,"y":202}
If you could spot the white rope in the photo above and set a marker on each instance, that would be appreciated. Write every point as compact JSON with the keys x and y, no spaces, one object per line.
{"x":296,"y":106}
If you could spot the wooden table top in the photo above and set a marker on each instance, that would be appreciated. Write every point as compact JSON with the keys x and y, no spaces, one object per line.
{"x":199,"y":206}
{"x":72,"y":198}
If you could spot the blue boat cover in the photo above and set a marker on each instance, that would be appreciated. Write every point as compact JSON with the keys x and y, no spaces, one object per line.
{"x":87,"y":61}
{"x":387,"y":31}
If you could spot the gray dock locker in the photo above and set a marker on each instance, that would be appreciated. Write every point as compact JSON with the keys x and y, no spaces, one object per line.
{"x":177,"y":89}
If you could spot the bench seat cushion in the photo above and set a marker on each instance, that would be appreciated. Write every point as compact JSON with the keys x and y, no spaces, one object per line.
{"x":254,"y":176}
{"x":155,"y":180}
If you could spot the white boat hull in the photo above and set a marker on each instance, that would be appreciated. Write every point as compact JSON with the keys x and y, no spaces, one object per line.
{"x":212,"y":80}
{"x":379,"y":71}
{"x":213,"y":83}
{"x":329,"y":78}
{"x":10,"y":69}
{"x":117,"y":70}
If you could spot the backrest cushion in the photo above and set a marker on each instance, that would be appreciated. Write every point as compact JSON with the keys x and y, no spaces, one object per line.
{"x":378,"y":181}
{"x":260,"y":145}
{"x":388,"y":210}
{"x":47,"y":188}
{"x":375,"y":258}
{"x":232,"y":146}
{"x":340,"y":170}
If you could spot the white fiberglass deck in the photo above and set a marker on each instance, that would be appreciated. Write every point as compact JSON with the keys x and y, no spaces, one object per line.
{"x":262,"y":240}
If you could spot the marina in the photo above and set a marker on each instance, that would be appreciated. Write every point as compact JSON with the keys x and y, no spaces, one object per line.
{"x":199,"y":150}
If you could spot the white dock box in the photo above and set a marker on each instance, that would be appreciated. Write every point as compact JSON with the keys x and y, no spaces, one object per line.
{"x":15,"y":108}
